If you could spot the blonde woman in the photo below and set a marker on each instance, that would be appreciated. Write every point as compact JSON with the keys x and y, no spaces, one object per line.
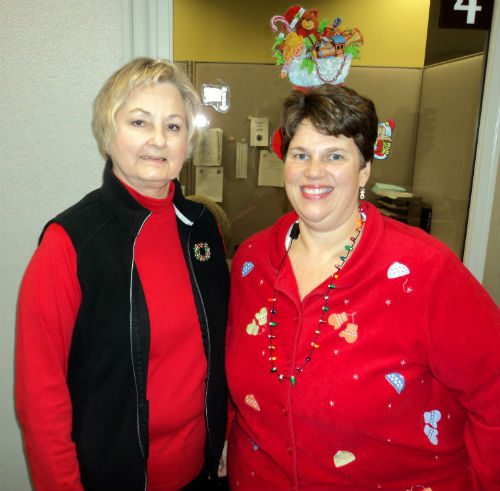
{"x":120,"y":344}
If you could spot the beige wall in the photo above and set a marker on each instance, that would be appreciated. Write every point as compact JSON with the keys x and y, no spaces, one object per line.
{"x":55,"y":56}
{"x":394,"y":31}
{"x":396,"y":94}
{"x":446,"y":140}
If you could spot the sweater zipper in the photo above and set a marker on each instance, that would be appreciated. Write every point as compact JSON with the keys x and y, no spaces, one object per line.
{"x":208,"y":334}
{"x":132,"y":351}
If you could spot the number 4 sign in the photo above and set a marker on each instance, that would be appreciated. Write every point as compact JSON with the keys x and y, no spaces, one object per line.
{"x":470,"y":7}
{"x":466,"y":14}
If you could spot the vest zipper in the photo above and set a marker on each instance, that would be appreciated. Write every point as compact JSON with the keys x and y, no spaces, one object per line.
{"x":208,"y":334}
{"x":132,"y":351}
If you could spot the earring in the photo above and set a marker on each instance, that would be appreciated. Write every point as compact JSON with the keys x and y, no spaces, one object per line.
{"x":362,"y":193}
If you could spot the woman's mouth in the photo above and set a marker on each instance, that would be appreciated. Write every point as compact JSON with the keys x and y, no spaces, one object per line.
{"x":315,"y":192}
{"x":152,"y":157}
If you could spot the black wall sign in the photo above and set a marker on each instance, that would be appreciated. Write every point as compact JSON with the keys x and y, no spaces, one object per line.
{"x":466,"y":14}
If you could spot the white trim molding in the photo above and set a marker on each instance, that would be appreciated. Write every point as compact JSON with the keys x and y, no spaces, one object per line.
{"x":148,"y":27}
{"x":487,"y":158}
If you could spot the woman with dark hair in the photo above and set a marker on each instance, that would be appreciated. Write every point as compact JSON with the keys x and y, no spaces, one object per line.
{"x":120,"y":379}
{"x":361,"y":353}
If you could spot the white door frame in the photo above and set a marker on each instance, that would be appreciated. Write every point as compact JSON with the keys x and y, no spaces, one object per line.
{"x":487,"y":158}
{"x":148,"y":28}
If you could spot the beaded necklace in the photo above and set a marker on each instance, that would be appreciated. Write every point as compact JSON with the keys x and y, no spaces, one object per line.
{"x":272,"y":337}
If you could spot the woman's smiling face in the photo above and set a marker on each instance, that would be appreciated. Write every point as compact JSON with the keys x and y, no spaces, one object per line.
{"x":323,"y":177}
{"x":149,"y":145}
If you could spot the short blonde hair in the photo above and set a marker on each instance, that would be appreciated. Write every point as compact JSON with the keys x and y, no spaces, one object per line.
{"x":116,"y":90}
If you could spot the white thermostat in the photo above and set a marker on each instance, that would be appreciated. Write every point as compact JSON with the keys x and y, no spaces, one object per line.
{"x":259,"y":132}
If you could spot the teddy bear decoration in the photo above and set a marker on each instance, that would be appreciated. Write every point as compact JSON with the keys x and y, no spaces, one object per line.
{"x":313,"y":52}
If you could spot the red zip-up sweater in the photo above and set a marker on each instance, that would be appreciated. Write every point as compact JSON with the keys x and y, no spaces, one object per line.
{"x":48,"y":304}
{"x":403,"y":390}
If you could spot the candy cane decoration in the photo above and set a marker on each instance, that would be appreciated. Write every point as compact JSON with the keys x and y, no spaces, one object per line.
{"x":288,"y":27}
{"x":280,"y":18}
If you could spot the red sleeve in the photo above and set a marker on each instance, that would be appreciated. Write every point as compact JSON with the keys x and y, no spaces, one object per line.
{"x":465,"y":356}
{"x":48,"y":304}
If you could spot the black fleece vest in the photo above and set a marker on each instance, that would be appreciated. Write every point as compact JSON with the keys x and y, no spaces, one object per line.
{"x":107,"y":367}
{"x":100,"y":372}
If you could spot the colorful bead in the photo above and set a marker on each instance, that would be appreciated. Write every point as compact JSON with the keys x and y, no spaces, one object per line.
{"x":292,"y":380}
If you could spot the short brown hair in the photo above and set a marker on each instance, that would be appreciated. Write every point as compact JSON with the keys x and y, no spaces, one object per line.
{"x":140,"y":71}
{"x":332,"y":110}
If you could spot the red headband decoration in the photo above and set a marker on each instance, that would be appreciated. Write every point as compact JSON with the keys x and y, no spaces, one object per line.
{"x":277,"y":143}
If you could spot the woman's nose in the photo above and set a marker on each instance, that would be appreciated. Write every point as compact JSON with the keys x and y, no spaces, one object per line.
{"x":157,"y":136}
{"x":314,"y":168}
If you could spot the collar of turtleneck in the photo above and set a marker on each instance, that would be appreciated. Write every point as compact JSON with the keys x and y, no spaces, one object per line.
{"x":155,"y":205}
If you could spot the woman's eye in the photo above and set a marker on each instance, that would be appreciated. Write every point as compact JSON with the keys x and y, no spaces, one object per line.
{"x":138,"y":122}
{"x":173,"y":127}
{"x":335,"y":156}
{"x":300,"y":156}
